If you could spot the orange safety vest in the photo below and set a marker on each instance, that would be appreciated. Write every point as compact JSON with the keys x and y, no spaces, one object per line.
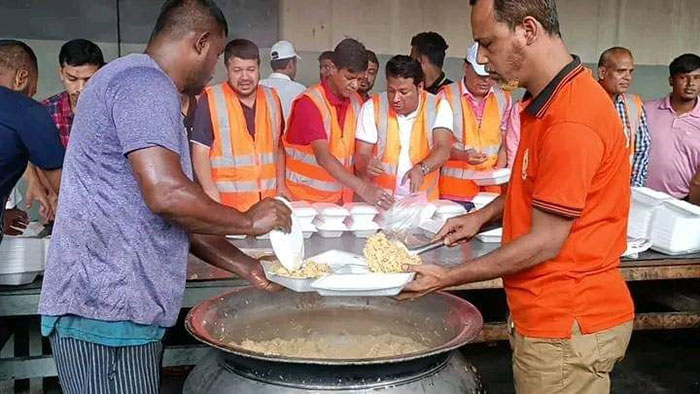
{"x":388,"y":145}
{"x":456,"y":175}
{"x":305,"y":178}
{"x":243,"y":167}
{"x":634,"y":119}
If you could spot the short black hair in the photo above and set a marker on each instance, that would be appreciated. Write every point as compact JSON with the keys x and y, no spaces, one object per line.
{"x":607,"y":54}
{"x":431,"y":45}
{"x":351,"y":55}
{"x":178,"y":17}
{"x":512,"y":12}
{"x":684,"y":64}
{"x":372,"y":57}
{"x":280,"y":64}
{"x":325,"y":55}
{"x":16,"y":55}
{"x":80,"y":52}
{"x":402,"y":66}
{"x":242,"y":49}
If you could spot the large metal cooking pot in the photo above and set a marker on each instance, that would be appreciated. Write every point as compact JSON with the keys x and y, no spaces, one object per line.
{"x":441,"y":321}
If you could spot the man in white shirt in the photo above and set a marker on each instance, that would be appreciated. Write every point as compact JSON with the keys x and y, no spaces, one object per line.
{"x":283,"y":60}
{"x":403,"y":146}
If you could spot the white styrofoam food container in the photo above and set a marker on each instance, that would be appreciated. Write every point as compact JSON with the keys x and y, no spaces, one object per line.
{"x":336,"y":259}
{"x":361,"y":229}
{"x":431,"y":227}
{"x":21,"y":259}
{"x":491,"y":178}
{"x":308,"y":229}
{"x":675,"y":228}
{"x":491,"y":236}
{"x":482,"y":199}
{"x":304,"y":212}
{"x":330,"y":213}
{"x":645,"y":203}
{"x":331,"y":229}
{"x":361,"y":212}
{"x":371,"y":284}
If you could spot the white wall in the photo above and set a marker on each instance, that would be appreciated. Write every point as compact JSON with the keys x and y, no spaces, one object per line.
{"x":655,"y":30}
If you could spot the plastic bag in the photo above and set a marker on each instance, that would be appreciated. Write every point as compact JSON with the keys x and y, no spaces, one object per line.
{"x":404,"y":216}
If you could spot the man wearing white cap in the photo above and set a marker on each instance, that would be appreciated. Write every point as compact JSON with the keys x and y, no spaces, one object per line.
{"x":481,"y":118}
{"x":283,"y":60}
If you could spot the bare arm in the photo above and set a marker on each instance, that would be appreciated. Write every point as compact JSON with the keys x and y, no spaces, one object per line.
{"x":168,"y":192}
{"x":442,"y":146}
{"x":281,"y":169}
{"x":217,"y":251}
{"x":544,"y":242}
{"x":502,"y":161}
{"x":202,"y":170}
{"x":369,"y":192}
{"x":363,"y":157}
{"x":336,"y":169}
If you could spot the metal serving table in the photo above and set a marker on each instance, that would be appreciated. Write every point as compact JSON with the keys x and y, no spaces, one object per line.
{"x":205,"y":281}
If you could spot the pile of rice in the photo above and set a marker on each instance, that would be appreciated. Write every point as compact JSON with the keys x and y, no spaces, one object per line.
{"x":310,"y":269}
{"x":387,"y":256}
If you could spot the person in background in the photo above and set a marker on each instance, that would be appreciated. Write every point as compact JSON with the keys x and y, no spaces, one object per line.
{"x":320,"y":140}
{"x":615,"y":75}
{"x":27,"y":133}
{"x":78,"y":61}
{"x":564,"y":215}
{"x":325,"y":65}
{"x":283,"y":60}
{"x":367,"y":82}
{"x":674,"y":122}
{"x":404,"y":135}
{"x":429,"y":49}
{"x":129,"y":211}
{"x":236,"y":141}
{"x":481,"y":112}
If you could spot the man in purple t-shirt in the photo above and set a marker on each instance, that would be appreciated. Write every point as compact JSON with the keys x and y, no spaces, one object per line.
{"x":116,"y":268}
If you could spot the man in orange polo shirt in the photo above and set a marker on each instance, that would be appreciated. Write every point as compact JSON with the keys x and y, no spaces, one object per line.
{"x":565,"y":212}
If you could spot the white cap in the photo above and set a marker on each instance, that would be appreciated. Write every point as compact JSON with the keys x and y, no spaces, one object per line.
{"x":283,"y":50}
{"x":471,"y":58}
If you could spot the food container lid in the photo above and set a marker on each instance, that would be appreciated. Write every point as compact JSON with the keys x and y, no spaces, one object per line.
{"x":329,"y":226}
{"x":361,"y":225}
{"x":360,"y":208}
{"x":448,"y":207}
{"x":683,"y":207}
{"x":303,"y":209}
{"x":329,"y":209}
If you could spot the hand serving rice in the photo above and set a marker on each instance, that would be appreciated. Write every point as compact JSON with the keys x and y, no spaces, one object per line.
{"x":387,"y":256}
{"x":310,"y":269}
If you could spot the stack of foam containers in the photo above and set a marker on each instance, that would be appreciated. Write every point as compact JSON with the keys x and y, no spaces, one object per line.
{"x":361,"y":220}
{"x":675,"y":228}
{"x":306,"y":214}
{"x":22,"y":259}
{"x":483,"y":199}
{"x":442,"y":210}
{"x":645,"y":203}
{"x":330,"y":220}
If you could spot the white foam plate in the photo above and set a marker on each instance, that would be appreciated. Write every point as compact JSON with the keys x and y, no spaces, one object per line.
{"x":300,"y":285}
{"x":289,"y":248}
{"x":491,"y":236}
{"x":371,"y":284}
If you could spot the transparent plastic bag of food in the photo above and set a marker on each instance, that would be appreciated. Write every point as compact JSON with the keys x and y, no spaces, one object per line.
{"x":404,"y":217}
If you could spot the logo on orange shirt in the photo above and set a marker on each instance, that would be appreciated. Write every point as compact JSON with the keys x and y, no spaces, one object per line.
{"x":526,"y":161}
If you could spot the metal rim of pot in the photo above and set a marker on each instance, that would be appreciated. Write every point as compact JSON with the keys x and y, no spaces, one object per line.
{"x":194,"y":324}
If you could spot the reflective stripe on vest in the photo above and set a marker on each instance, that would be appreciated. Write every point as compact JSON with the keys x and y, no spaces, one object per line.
{"x":245,"y":187}
{"x":331,"y":187}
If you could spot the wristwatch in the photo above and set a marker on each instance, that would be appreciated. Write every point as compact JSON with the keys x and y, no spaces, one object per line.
{"x":424,"y":168}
